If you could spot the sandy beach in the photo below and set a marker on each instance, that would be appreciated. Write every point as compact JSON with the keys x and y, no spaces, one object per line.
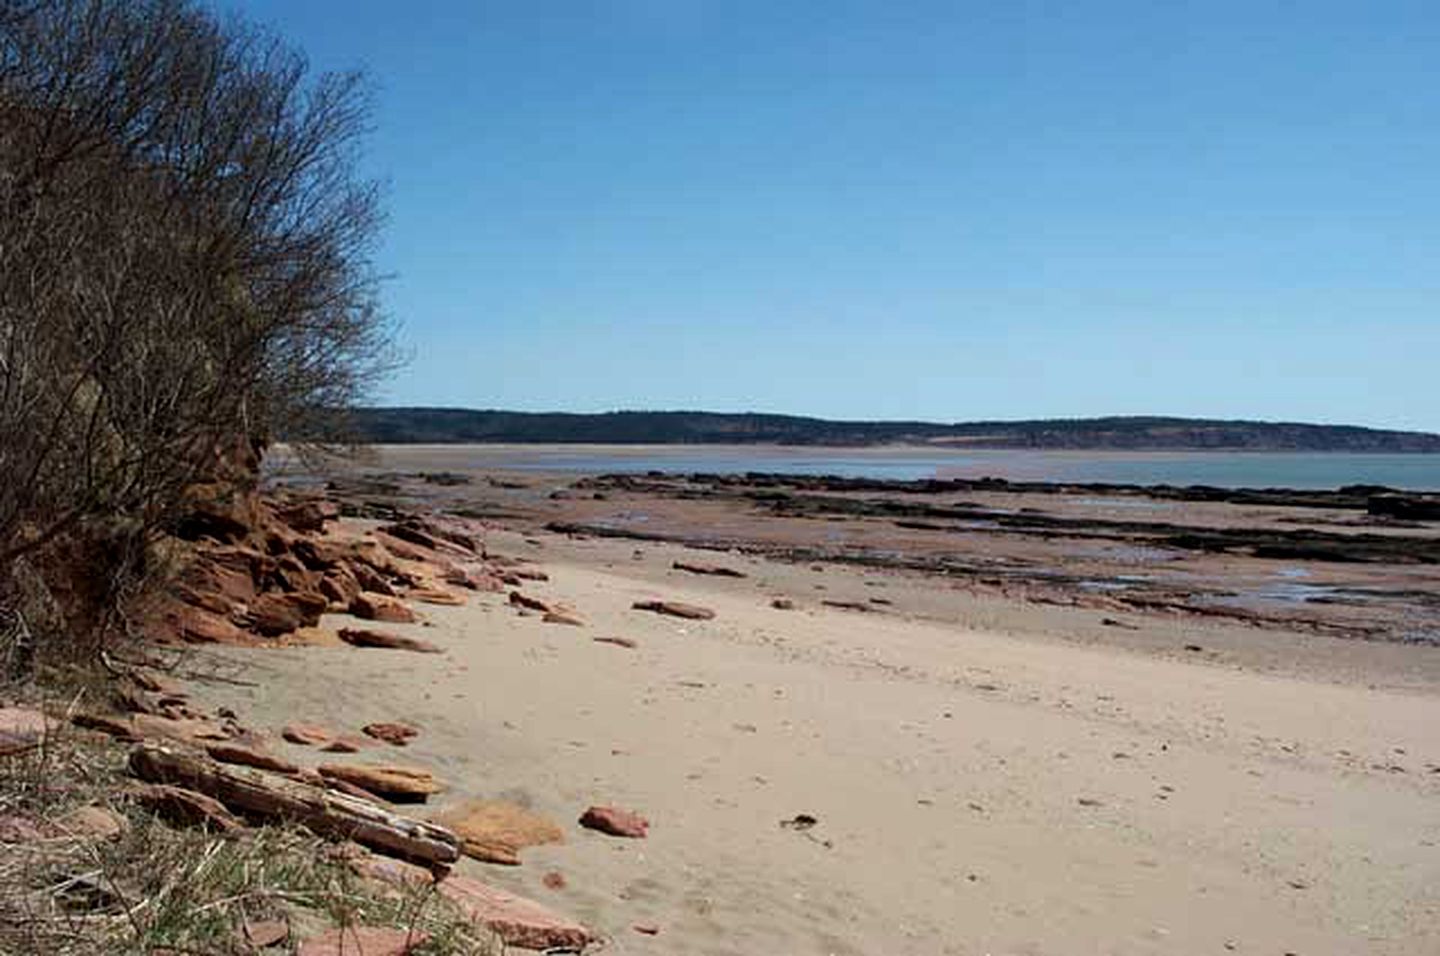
{"x":985,"y":775}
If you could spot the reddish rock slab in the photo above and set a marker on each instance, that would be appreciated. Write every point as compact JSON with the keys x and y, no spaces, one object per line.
{"x":22,"y":729}
{"x":714,"y":570}
{"x":396,"y":784}
{"x":646,"y":929}
{"x":184,"y":807}
{"x":562,"y":616}
{"x":195,"y":626}
{"x":782,"y":604}
{"x":249,"y":757}
{"x":260,"y":934}
{"x":272,"y":615}
{"x":377,"y":607}
{"x":389,"y":870}
{"x":554,"y":880}
{"x":365,"y":941}
{"x":370,"y":580}
{"x":363,"y":637}
{"x":519,"y":922}
{"x":391,"y":733}
{"x":436,"y":596}
{"x":93,"y":823}
{"x":690,"y":612}
{"x":306,"y":735}
{"x":615,"y":822}
{"x":346,"y":744}
{"x":495,"y":831}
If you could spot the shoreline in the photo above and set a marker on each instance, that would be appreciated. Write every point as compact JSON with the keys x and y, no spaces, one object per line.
{"x":986,"y":773}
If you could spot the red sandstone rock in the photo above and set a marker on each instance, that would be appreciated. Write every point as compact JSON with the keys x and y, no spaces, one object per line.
{"x":262,"y":934}
{"x":273,"y":615}
{"x":563,"y":616}
{"x":184,"y":807}
{"x":365,"y":941}
{"x":22,"y":729}
{"x":675,"y":609}
{"x":519,"y":599}
{"x":195,"y":626}
{"x":397,"y":784}
{"x":617,"y":641}
{"x":249,"y":757}
{"x":615,"y":822}
{"x":710,"y":569}
{"x":397,"y":734}
{"x":495,"y":831}
{"x":517,"y":921}
{"x":437,"y":596}
{"x":378,"y":607}
{"x":306,"y":735}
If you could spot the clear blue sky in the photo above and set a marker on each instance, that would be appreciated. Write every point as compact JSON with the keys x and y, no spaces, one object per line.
{"x":906,"y":210}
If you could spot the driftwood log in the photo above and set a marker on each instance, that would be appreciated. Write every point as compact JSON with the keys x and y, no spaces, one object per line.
{"x":265,"y":796}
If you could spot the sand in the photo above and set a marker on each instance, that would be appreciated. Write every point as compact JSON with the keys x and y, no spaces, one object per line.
{"x":986,"y":778}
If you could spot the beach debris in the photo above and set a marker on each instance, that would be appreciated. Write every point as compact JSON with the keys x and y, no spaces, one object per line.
{"x":260,"y":795}
{"x":518,"y":921}
{"x":562,"y":616}
{"x":495,"y":831}
{"x":365,"y":941}
{"x":1194,"y":648}
{"x":1116,"y":622}
{"x":848,"y":605}
{"x":378,"y":607}
{"x":689,"y":612}
{"x":363,"y":637}
{"x":617,"y":641}
{"x":554,"y":880}
{"x":614,"y":821}
{"x":1089,"y":802}
{"x":782,"y":604}
{"x":800,"y":821}
{"x":714,"y":570}
{"x":646,"y":929}
{"x":396,"y":734}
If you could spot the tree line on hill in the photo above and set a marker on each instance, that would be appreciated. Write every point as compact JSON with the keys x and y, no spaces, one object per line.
{"x":451,"y":425}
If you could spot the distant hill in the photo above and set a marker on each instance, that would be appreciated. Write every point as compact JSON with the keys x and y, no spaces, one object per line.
{"x":454,"y":425}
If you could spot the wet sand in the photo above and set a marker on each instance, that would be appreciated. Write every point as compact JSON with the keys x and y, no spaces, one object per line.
{"x":988,"y":775}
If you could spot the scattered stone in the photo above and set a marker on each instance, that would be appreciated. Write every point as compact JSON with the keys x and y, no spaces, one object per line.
{"x":396,"y":784}
{"x":378,"y":607}
{"x":559,"y":616}
{"x":249,"y":757}
{"x":183,"y":807}
{"x":1116,"y":622}
{"x":615,"y":822}
{"x":91,"y":822}
{"x":437,"y":596}
{"x":617,"y":641}
{"x":1089,"y":802}
{"x":520,"y":599}
{"x":554,"y":880}
{"x":397,"y":734}
{"x":272,"y":615}
{"x":690,"y":612}
{"x":365,"y":941}
{"x":646,"y":929}
{"x":18,"y":829}
{"x":306,"y":735}
{"x":800,"y":821}
{"x":363,"y":637}
{"x":195,"y":626}
{"x":495,"y":831}
{"x":714,"y":570}
{"x":519,"y":922}
{"x":264,"y":933}
{"x":783,"y":604}
{"x":22,"y":729}
{"x":1194,"y":648}
{"x":346,"y":744}
{"x":847,"y":605}
{"x":389,"y":870}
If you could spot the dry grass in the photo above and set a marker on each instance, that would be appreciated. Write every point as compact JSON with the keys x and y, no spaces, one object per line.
{"x":154,"y":889}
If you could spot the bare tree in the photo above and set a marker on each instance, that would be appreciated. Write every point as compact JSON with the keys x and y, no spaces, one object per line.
{"x":185,"y":259}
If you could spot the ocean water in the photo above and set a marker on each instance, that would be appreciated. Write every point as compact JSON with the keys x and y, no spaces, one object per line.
{"x":1220,"y":469}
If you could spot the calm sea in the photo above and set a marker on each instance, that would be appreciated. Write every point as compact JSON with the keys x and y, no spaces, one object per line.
{"x":1221,"y":469}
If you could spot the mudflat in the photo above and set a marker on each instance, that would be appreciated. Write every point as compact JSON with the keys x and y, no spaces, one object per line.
{"x":892,"y":757}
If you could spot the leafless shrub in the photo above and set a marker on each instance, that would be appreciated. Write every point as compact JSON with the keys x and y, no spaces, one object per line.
{"x":184,"y":260}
